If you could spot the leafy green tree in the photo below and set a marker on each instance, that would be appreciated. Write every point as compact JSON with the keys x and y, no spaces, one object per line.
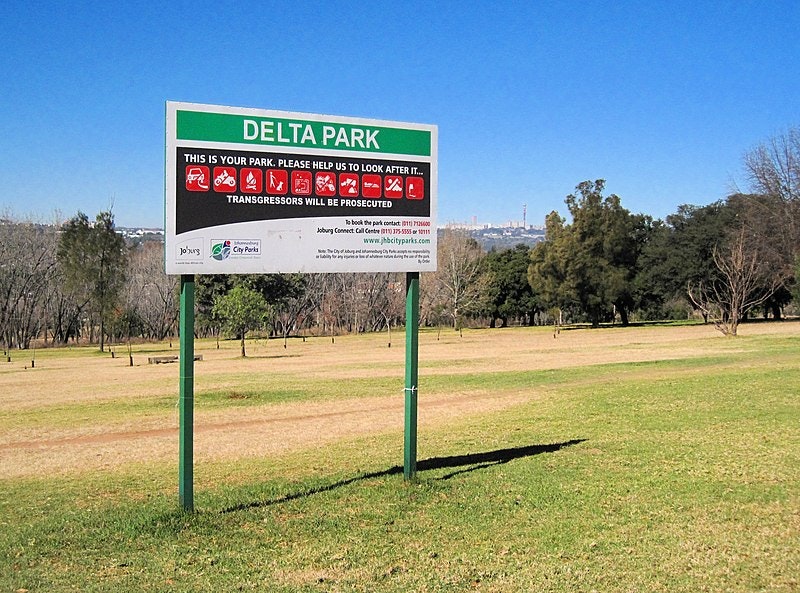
{"x":240,"y":310}
{"x":275,"y":288}
{"x":509,"y":294}
{"x":547,"y":273}
{"x":210,"y":288}
{"x":591,"y":263}
{"x":681,"y":253}
{"x":93,"y":259}
{"x":288,"y":294}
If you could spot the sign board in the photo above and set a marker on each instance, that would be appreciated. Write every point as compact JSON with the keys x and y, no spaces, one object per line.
{"x":256,"y":191}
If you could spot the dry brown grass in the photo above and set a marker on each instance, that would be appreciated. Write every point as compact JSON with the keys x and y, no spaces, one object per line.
{"x":66,"y":379}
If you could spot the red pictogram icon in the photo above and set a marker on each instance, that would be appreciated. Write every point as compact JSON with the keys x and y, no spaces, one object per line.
{"x":393,"y":186}
{"x":251,"y":181}
{"x":197,"y":178}
{"x":224,"y":179}
{"x":277,"y":181}
{"x":415,"y":188}
{"x":325,"y":183}
{"x":371,"y":186}
{"x":301,"y":183}
{"x":348,"y":185}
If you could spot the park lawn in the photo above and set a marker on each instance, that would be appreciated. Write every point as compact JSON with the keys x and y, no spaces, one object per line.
{"x":672,"y":473}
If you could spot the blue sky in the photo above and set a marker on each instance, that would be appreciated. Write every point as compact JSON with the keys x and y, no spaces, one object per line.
{"x":661,"y":99}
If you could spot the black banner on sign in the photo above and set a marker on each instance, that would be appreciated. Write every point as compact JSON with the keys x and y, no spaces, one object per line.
{"x":216,"y":187}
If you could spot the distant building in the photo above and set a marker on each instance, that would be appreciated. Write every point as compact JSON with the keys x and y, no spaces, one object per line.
{"x":500,"y":237}
{"x":137,"y":235}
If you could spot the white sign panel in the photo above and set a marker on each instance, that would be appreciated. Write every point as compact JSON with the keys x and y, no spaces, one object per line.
{"x":256,"y":191}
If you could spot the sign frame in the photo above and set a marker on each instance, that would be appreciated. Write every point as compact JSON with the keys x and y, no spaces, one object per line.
{"x":272,"y":211}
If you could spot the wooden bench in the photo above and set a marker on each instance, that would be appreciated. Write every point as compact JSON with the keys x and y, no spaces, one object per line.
{"x":167,"y":359}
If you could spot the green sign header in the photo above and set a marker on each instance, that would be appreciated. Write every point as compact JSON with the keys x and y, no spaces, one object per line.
{"x":273,"y":131}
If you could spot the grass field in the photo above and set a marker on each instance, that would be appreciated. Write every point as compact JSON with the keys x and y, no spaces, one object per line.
{"x":613,"y":460}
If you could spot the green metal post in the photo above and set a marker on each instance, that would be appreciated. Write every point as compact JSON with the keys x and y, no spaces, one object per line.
{"x":412,"y":359}
{"x":186,"y":401}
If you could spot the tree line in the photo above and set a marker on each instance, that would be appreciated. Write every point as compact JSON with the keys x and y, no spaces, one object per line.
{"x":723,"y":261}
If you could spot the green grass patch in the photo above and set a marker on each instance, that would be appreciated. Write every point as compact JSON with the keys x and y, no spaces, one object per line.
{"x":677,"y":475}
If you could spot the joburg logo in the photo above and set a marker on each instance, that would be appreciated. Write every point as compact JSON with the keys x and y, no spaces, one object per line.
{"x":220,"y":250}
{"x":190,"y":250}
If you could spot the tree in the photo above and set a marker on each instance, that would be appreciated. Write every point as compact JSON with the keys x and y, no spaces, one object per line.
{"x":27,"y":263}
{"x":210,"y":288}
{"x":547,"y":272}
{"x":509,"y":294}
{"x":681,"y":252}
{"x":773,"y":167}
{"x":608,"y":241}
{"x":724,"y":259}
{"x":325,"y":299}
{"x":63,"y":313}
{"x":459,"y":274}
{"x":768,"y":230}
{"x":293,"y":305}
{"x":241,"y":310}
{"x":592,"y":262}
{"x":150,"y":294}
{"x":743,"y":285}
{"x":432,"y":301}
{"x":93,"y":259}
{"x":771,"y":212}
{"x":392,"y":303}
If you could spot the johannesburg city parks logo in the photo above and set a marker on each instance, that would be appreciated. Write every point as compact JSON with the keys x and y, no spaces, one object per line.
{"x":220,"y":250}
{"x":235,"y":249}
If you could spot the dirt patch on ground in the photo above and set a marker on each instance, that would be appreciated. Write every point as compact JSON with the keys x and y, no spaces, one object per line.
{"x":263,"y":431}
{"x":61,"y":379}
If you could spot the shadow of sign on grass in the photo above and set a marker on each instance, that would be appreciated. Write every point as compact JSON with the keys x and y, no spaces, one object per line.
{"x":470,"y":462}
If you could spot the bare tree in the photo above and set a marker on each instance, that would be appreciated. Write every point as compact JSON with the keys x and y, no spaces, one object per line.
{"x":389,"y":302}
{"x":325,"y":301}
{"x":62,"y":312}
{"x":459,"y":274}
{"x":743,"y":283}
{"x":150,"y":293}
{"x":27,"y":261}
{"x":771,"y":212}
{"x":773,"y":167}
{"x":352,"y":302}
{"x":378,"y":306}
{"x":432,"y":302}
{"x":295,"y":308}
